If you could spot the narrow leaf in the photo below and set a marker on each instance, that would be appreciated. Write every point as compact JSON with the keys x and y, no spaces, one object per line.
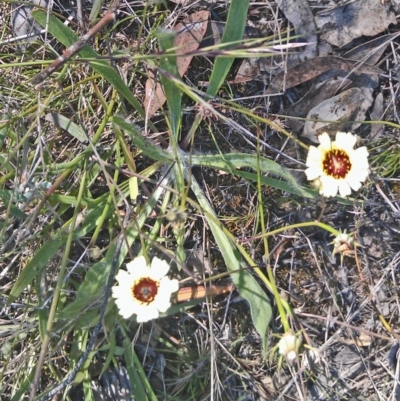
{"x":35,"y":266}
{"x":67,"y":38}
{"x":247,"y":285}
{"x":172,"y":92}
{"x":155,"y":152}
{"x":234,"y":30}
{"x":231,"y":162}
{"x":47,"y":251}
{"x":67,"y":125}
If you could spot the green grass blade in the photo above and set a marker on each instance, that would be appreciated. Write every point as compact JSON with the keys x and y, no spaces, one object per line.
{"x":231,"y":162}
{"x":155,"y":152}
{"x":48,"y":250}
{"x":23,"y":387}
{"x":247,"y":285}
{"x":35,"y":266}
{"x":141,"y":388}
{"x":67,"y":38}
{"x":172,"y":91}
{"x":233,"y":32}
{"x":96,"y":7}
{"x":68,"y":125}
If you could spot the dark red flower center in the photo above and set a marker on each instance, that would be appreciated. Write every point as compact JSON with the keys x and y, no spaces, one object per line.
{"x":145,"y":290}
{"x":336,"y":163}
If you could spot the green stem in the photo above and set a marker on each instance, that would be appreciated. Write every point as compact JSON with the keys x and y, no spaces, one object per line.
{"x":57,"y":291}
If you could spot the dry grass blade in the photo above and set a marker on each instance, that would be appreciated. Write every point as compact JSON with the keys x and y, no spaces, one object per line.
{"x":282,"y":294}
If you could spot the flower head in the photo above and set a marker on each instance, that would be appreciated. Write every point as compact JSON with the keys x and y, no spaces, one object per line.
{"x":144,"y":290}
{"x":289,"y":346}
{"x":337,"y":164}
{"x":343,"y":244}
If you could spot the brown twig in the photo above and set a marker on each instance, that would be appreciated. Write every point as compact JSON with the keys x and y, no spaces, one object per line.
{"x":108,"y":17}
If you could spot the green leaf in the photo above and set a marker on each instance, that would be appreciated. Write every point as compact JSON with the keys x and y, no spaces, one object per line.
{"x":153,"y":151}
{"x":247,"y":285}
{"x":35,"y":266}
{"x":142,"y":389}
{"x":68,"y":38}
{"x":134,"y":369}
{"x":233,"y":32}
{"x":5,"y":129}
{"x":6,"y":196}
{"x":231,"y":162}
{"x":48,"y":250}
{"x":111,"y":352}
{"x":66,"y":124}
{"x":24,"y":386}
{"x":172,"y":91}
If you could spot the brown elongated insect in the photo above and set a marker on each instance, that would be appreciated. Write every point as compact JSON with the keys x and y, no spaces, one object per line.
{"x":108,"y":17}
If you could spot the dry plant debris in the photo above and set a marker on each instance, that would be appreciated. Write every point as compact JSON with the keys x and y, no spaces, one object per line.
{"x":340,"y":73}
{"x":190,"y":33}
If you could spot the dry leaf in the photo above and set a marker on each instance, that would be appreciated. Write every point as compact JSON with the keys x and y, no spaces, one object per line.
{"x":248,"y":70}
{"x":190,"y":34}
{"x":155,"y":96}
{"x":298,"y":12}
{"x":342,"y":24}
{"x":371,"y":51}
{"x":312,"y":68}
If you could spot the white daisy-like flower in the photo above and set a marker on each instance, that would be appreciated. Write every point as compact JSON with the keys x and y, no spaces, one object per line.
{"x":144,"y":290}
{"x":337,"y":164}
{"x":289,"y":346}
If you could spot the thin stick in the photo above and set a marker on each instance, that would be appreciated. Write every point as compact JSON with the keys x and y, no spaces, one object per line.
{"x":109,"y":16}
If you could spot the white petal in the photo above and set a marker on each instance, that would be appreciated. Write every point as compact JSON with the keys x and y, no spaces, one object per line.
{"x":166,"y":289}
{"x":325,"y":141}
{"x":359,"y":158}
{"x":329,"y":186}
{"x":355,"y":185}
{"x":314,"y":156}
{"x":362,"y":152}
{"x":121,"y":292}
{"x":357,"y":175}
{"x":312,"y":173}
{"x":126,"y":309}
{"x":354,"y":181}
{"x":125,"y":313}
{"x":147,"y":313}
{"x":344,"y":189}
{"x":162,"y":307}
{"x":173,"y":285}
{"x":138,"y":268}
{"x":137,"y":263}
{"x":345,"y":140}
{"x":123,"y":277}
{"x":159,"y":268}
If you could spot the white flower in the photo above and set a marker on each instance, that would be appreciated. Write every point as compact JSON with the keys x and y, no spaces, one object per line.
{"x":144,"y":290}
{"x":337,"y":164}
{"x":289,"y":346}
{"x":343,"y":244}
